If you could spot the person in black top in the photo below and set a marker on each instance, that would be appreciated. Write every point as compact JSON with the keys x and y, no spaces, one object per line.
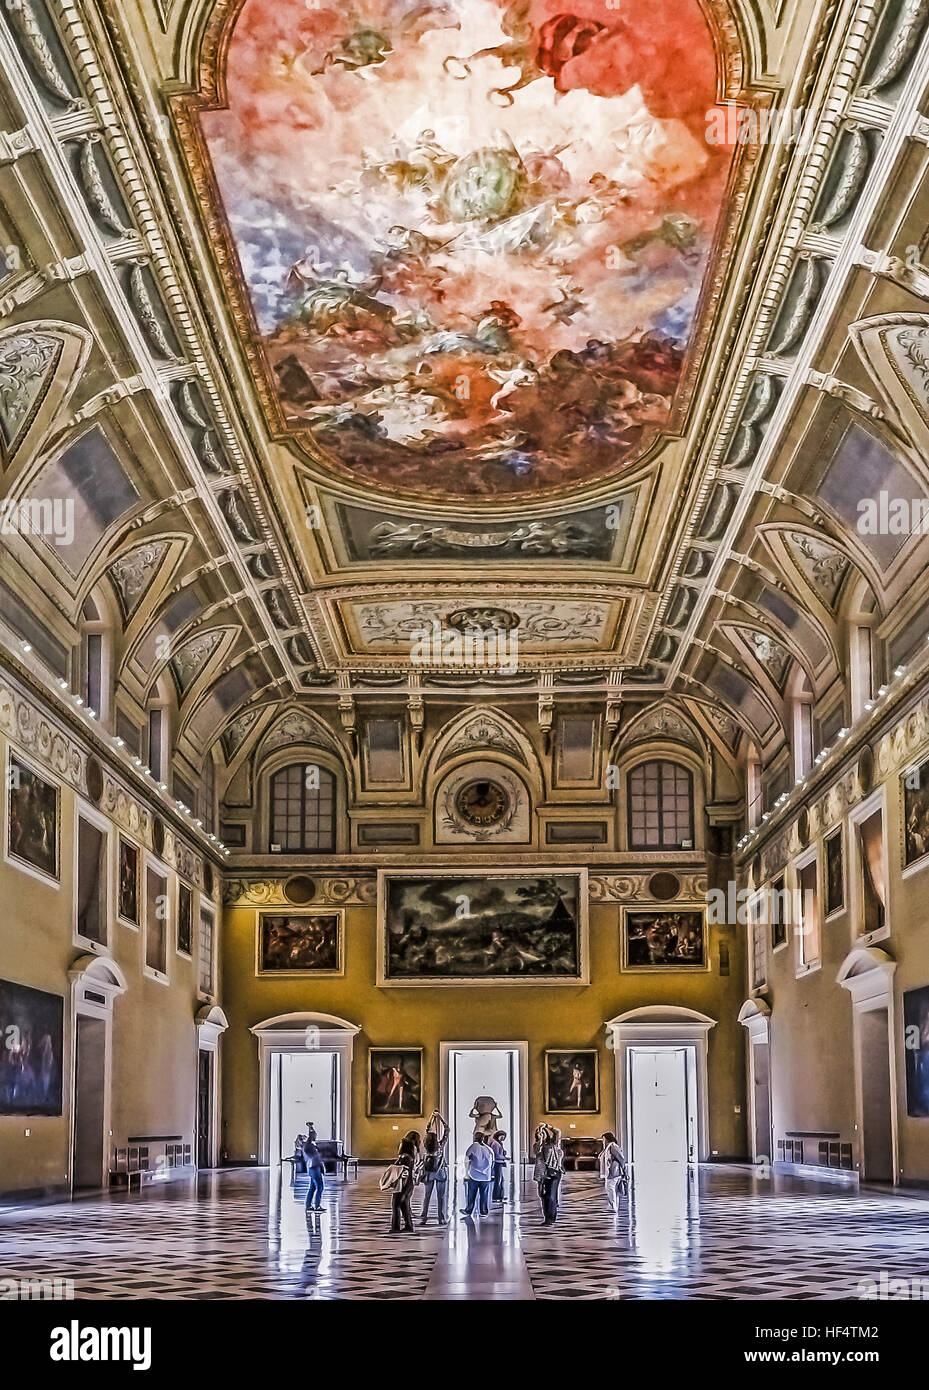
{"x":400,"y":1199}
{"x":314,"y":1167}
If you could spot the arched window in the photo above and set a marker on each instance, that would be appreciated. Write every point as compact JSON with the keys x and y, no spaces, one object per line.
{"x":94,"y":674}
{"x":158,"y":742}
{"x":302,"y":809}
{"x":661,"y":806}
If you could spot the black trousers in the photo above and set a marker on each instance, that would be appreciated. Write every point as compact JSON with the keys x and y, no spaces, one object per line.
{"x":400,"y":1210}
{"x":548,"y":1193}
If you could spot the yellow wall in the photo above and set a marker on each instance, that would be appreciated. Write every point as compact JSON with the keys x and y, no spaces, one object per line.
{"x":563,"y":1016}
{"x":154,"y":1051}
{"x":811,"y":1023}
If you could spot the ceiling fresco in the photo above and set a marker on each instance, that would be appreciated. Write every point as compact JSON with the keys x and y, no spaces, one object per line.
{"x":473,"y":235}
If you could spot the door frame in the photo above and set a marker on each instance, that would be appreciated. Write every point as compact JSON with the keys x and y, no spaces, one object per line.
{"x":867,"y":973}
{"x":211,"y":1024}
{"x":490,"y":1045}
{"x":289,"y":1033}
{"x":755,"y":1018}
{"x":653,"y":1027}
{"x":100,"y":975}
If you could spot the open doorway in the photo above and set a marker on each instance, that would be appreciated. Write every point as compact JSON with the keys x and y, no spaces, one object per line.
{"x":876,"y":1096}
{"x":662,"y":1105}
{"x":477,"y":1069}
{"x":761,"y":1101}
{"x":89,"y":1101}
{"x":205,"y":1108}
{"x":304,"y":1089}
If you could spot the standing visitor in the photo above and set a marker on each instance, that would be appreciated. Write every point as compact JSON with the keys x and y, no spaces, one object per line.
{"x":398,"y":1181}
{"x":313,"y":1160}
{"x":435,"y":1178}
{"x":435,"y":1168}
{"x":500,"y":1161}
{"x":549,"y":1169}
{"x":480,"y":1164}
{"x":613,"y":1169}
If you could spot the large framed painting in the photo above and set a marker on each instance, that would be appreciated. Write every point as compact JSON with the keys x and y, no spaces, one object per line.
{"x":395,"y":1081}
{"x":572,"y":1081}
{"x":915,"y":814}
{"x":299,"y":943}
{"x":835,"y":873}
{"x":32,"y":1030}
{"x":662,"y":939}
{"x":33,"y":815}
{"x":916,"y":1051}
{"x":511,"y":927}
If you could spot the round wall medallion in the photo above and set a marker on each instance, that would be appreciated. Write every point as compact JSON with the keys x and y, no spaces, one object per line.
{"x":299,"y":890}
{"x":94,"y":774}
{"x":865,"y":771}
{"x":803,"y":828}
{"x":208,"y":878}
{"x":482,"y":803}
{"x":664,"y":886}
{"x":158,"y":836}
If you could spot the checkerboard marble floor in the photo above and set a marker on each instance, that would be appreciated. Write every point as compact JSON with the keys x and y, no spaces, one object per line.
{"x":721,"y":1233}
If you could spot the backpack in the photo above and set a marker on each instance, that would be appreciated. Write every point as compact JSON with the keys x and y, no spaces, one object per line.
{"x":391,"y":1180}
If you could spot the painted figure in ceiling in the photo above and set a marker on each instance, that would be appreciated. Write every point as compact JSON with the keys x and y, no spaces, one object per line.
{"x":473,"y":233}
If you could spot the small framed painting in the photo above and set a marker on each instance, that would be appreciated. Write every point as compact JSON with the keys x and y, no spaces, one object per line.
{"x":664,"y":940}
{"x":572,"y":1081}
{"x":32,"y":819}
{"x":395,"y":1081}
{"x":835,"y":873}
{"x":915,"y":814}
{"x":128,"y":904}
{"x":185,"y":912}
{"x":300,"y":943}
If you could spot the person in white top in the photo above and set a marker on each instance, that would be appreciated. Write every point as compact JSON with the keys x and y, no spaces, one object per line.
{"x":613,"y":1169}
{"x":480,"y":1166}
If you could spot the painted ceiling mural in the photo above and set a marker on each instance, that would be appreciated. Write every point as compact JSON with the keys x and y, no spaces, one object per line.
{"x":473,"y":233}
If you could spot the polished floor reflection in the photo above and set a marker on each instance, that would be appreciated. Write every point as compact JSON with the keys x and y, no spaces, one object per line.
{"x":720,"y":1233}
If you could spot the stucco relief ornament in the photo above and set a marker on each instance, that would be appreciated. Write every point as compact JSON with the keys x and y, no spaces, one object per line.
{"x":663,"y":723}
{"x":144,"y":307}
{"x":38,"y":54}
{"x":484,"y":619}
{"x":193,"y":656}
{"x":821,"y":564}
{"x":26,"y":363}
{"x":483,"y":732}
{"x":132,"y":573}
{"x":253,"y":890}
{"x":295,"y":727}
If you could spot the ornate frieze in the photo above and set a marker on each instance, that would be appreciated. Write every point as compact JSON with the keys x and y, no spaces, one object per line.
{"x":634,"y":886}
{"x":269,"y":892}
